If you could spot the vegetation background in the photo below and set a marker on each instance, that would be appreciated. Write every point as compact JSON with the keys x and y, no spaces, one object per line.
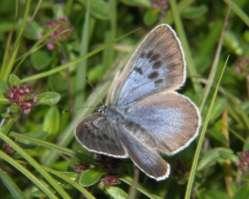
{"x":57,"y":61}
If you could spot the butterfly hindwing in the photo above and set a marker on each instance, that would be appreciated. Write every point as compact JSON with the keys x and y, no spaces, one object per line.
{"x":157,"y":64}
{"x":97,"y":135}
{"x":145,"y":158}
{"x":170,"y":118}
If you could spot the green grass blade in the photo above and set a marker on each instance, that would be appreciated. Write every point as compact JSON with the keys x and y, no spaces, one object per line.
{"x":214,"y":66}
{"x":202,"y":135}
{"x":37,"y":45}
{"x":141,"y":189}
{"x":6,"y":70}
{"x":238,"y":11}
{"x":62,"y":67}
{"x":190,"y":62}
{"x":28,"y":174}
{"x":80,"y":78}
{"x":36,"y":165}
{"x":70,"y":64}
{"x":10,"y":184}
{"x":25,"y":138}
{"x":182,"y":5}
{"x":7,"y":50}
{"x":108,"y":54}
{"x":74,"y":184}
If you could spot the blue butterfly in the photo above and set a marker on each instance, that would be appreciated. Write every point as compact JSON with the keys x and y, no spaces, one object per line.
{"x":144,"y":115}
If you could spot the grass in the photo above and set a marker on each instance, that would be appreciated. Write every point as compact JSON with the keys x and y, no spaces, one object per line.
{"x":202,"y":135}
{"x":69,"y":74}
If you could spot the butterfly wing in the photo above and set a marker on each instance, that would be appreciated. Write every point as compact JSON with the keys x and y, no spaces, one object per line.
{"x":170,"y":118}
{"x":145,"y":158}
{"x":157,"y":64}
{"x":96,"y":134}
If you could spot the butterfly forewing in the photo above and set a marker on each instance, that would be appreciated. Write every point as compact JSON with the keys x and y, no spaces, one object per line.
{"x":170,"y":118}
{"x":157,"y":64}
{"x":96,"y":134}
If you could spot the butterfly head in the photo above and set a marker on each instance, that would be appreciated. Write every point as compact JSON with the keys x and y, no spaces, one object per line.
{"x":102,"y":109}
{"x":111,"y":113}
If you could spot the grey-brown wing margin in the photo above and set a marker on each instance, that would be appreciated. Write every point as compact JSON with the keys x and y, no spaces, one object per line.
{"x":96,"y":134}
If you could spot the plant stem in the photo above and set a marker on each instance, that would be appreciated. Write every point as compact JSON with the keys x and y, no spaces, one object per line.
{"x":202,"y":135}
{"x":215,"y":62}
{"x":133,"y":187}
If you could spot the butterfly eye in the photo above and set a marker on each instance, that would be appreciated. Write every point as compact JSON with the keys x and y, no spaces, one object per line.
{"x":101,"y":109}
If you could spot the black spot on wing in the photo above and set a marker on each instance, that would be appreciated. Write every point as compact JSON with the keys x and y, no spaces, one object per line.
{"x":143,"y":54}
{"x":157,"y":64}
{"x":158,"y":82}
{"x":153,"y":75}
{"x":149,"y":54}
{"x":138,"y":70}
{"x":154,"y":57}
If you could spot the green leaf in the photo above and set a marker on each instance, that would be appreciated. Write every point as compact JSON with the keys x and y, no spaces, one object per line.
{"x":33,"y":31}
{"x":40,"y":59}
{"x":216,"y":155}
{"x":246,"y":144}
{"x":218,"y":109}
{"x":90,"y":177}
{"x":139,"y":3}
{"x":193,"y":12}
{"x":48,"y":98}
{"x":246,"y":36}
{"x":212,"y":193}
{"x":51,"y":123}
{"x":10,"y":184}
{"x":14,"y":80}
{"x":3,"y":87}
{"x":231,"y":42}
{"x":95,"y":73}
{"x":116,"y":192}
{"x":242,"y":193}
{"x":129,"y":181}
{"x":58,"y":83}
{"x":151,"y":17}
{"x":98,"y":8}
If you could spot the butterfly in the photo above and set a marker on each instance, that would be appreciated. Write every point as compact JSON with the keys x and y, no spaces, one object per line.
{"x":144,"y":115}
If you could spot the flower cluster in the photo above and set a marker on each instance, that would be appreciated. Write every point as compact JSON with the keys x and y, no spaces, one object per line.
{"x":110,"y":180}
{"x":22,"y":97}
{"x":61,"y":30}
{"x":160,"y":4}
{"x":80,"y":167}
{"x":243,"y":164}
{"x":8,"y":149}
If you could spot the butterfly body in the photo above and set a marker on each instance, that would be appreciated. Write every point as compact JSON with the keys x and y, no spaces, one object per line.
{"x":144,"y":115}
{"x":119,"y":119}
